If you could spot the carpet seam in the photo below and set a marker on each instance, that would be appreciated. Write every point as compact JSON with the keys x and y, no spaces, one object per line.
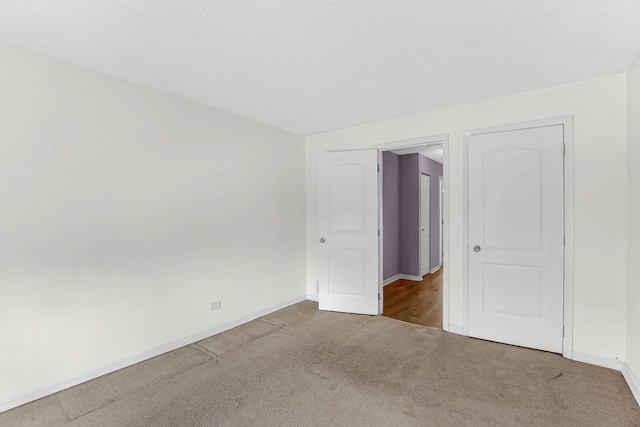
{"x":134,"y":393}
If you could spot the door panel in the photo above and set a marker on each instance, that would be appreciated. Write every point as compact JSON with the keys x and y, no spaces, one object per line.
{"x":516,"y":225}
{"x":348,"y":228}
{"x":347,"y":271}
{"x":513,"y":289}
{"x":512,"y":205}
{"x":346,"y":198}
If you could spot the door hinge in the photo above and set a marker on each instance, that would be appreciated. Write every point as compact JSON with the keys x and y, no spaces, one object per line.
{"x":378,"y":168}
{"x":378,"y":297}
{"x":564,"y":149}
{"x":378,"y":232}
{"x":563,"y":331}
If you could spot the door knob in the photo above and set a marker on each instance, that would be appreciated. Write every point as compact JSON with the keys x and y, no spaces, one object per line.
{"x":322,"y":240}
{"x":476,"y":248}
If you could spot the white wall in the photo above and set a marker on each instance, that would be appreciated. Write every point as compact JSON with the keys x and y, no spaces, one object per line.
{"x":599,"y":111}
{"x":125,"y":212}
{"x":633,"y":294}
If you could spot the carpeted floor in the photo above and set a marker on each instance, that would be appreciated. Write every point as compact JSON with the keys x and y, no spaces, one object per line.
{"x":302,"y":367}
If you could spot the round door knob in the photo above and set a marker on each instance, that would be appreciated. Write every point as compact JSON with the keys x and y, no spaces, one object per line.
{"x":322,"y":240}
{"x":476,"y":248}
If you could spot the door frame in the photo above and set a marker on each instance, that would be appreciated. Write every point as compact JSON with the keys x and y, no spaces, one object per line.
{"x":440,"y":217}
{"x":395,"y":145}
{"x":567,"y":123}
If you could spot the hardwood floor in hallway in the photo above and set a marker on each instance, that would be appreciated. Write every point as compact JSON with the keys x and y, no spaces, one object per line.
{"x":415,"y":302}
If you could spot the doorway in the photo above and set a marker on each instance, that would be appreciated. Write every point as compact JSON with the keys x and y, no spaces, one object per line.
{"x":412,"y":203}
{"x":351,"y":239}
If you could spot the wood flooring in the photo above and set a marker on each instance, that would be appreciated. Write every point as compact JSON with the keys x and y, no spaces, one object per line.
{"x":415,"y":302}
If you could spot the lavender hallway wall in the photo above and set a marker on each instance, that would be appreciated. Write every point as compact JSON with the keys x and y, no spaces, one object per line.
{"x":390,"y":215}
{"x":401,"y":212}
{"x":409,"y":181}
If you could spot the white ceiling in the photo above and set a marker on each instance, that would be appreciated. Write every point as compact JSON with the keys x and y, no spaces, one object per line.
{"x":315,"y":65}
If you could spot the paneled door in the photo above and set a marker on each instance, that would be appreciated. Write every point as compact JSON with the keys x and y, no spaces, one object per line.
{"x":348,"y":230}
{"x":516,"y":237}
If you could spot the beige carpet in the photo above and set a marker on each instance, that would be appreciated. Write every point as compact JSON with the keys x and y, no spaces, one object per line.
{"x":302,"y":367}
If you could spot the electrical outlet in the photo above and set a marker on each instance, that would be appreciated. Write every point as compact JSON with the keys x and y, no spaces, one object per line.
{"x":215,"y":305}
{"x":317,"y":286}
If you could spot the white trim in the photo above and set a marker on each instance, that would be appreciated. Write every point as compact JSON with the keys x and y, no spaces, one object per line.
{"x":312,"y":297}
{"x":465,"y":235}
{"x":567,"y":123}
{"x":615,"y":364}
{"x":390,"y":280}
{"x":455,"y":329}
{"x":381,"y":285}
{"x":428,"y":140}
{"x":412,"y":278}
{"x":567,"y":343}
{"x":440,"y":216}
{"x":591,"y":359}
{"x":632,"y":381}
{"x":401,"y":276}
{"x":445,"y":234}
{"x":139,"y":357}
{"x":431,"y":140}
{"x":434,"y":269}
{"x":56,"y":387}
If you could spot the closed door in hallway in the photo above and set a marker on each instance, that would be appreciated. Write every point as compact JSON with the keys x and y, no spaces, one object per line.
{"x":425,"y":223}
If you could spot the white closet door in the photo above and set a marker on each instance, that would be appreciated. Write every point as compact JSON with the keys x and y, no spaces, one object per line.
{"x":516,"y":237}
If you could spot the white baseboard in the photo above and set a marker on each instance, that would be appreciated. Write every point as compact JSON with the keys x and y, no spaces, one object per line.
{"x":391,"y":279}
{"x":401,"y":276}
{"x":455,"y":329}
{"x":632,"y":381}
{"x":434,"y":269}
{"x":591,"y":359}
{"x":312,"y":297}
{"x":139,"y":357}
{"x":615,"y":364}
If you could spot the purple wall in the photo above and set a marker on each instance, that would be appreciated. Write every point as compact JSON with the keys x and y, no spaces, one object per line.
{"x":401,"y":210}
{"x":409,"y":177}
{"x":390,"y":214}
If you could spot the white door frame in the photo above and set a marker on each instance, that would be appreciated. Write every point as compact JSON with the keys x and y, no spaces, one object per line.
{"x":567,"y":123}
{"x":430,"y":140}
{"x":440,"y":219}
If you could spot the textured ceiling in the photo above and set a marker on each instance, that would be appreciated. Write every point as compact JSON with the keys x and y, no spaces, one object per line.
{"x":310,"y":66}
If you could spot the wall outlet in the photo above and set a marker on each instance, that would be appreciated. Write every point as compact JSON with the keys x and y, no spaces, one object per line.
{"x":317,"y":286}
{"x":215,"y":305}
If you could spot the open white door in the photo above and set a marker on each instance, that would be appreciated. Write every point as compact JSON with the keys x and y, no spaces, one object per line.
{"x":516,"y":237}
{"x":348,"y":230}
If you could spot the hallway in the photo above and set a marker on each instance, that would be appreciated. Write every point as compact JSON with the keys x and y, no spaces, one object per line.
{"x":415,"y":302}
